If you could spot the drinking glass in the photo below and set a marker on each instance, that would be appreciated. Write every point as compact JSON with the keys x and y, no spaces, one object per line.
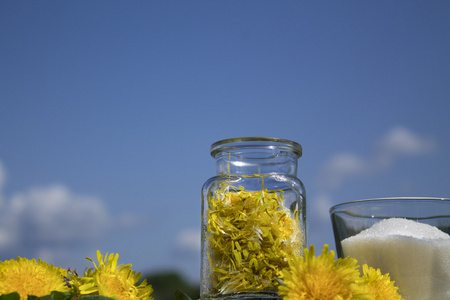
{"x":409,"y":238}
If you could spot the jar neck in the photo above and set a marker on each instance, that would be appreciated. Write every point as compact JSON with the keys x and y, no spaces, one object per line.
{"x":256,"y":155}
{"x":258,"y":162}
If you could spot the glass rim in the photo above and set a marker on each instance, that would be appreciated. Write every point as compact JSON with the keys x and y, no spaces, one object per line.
{"x":336,"y":207}
{"x":256,"y":142}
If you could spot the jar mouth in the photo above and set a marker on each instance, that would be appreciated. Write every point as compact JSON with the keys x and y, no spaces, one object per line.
{"x":256,"y":143}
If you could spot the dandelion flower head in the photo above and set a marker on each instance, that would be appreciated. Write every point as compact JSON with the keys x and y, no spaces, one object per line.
{"x":321,"y":277}
{"x":28,"y":277}
{"x":379,"y":286}
{"x":112,"y":280}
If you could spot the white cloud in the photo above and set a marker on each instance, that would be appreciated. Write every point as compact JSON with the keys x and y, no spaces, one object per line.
{"x":50,"y":218}
{"x":319,"y":222}
{"x":50,"y":221}
{"x":188,"y":242}
{"x":341,"y":167}
{"x":320,"y":208}
{"x":5,"y":237}
{"x":397,"y":143}
{"x":55,"y":214}
{"x":129,"y":220}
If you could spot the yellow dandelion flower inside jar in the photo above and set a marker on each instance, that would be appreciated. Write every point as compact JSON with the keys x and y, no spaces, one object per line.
{"x":253,"y":218}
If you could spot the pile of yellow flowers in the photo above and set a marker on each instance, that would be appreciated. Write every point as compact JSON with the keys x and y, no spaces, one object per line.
{"x":30,"y":279}
{"x":251,"y":237}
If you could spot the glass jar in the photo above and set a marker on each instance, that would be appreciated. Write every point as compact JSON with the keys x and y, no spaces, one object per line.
{"x":253,"y":218}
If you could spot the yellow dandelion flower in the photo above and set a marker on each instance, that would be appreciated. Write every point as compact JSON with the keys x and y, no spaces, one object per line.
{"x":323,"y":278}
{"x":112,"y":280}
{"x":28,"y":277}
{"x":379,"y":286}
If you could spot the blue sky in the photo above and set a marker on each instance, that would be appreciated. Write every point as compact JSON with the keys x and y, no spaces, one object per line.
{"x":108,"y":110}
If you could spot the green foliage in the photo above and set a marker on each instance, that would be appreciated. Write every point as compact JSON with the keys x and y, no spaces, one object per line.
{"x":94,"y":298}
{"x":53,"y":296}
{"x":166,"y":284}
{"x":12,"y":296}
{"x":179,"y":295}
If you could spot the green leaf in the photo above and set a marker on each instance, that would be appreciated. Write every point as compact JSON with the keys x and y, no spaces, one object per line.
{"x":55,"y":295}
{"x":95,"y":298}
{"x":12,"y":296}
{"x":60,"y":296}
{"x":281,"y":282}
{"x":179,"y":295}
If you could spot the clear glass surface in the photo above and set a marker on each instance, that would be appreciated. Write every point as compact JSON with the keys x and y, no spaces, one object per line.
{"x":253,"y":218}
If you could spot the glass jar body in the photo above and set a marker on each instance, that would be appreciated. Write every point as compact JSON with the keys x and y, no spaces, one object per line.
{"x":253,"y":219}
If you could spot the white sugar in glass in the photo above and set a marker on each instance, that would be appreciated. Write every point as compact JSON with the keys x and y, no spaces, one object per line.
{"x":416,"y":255}
{"x":405,"y":237}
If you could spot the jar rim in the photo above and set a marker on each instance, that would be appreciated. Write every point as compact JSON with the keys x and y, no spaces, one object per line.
{"x":256,"y":142}
{"x":372,"y":201}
